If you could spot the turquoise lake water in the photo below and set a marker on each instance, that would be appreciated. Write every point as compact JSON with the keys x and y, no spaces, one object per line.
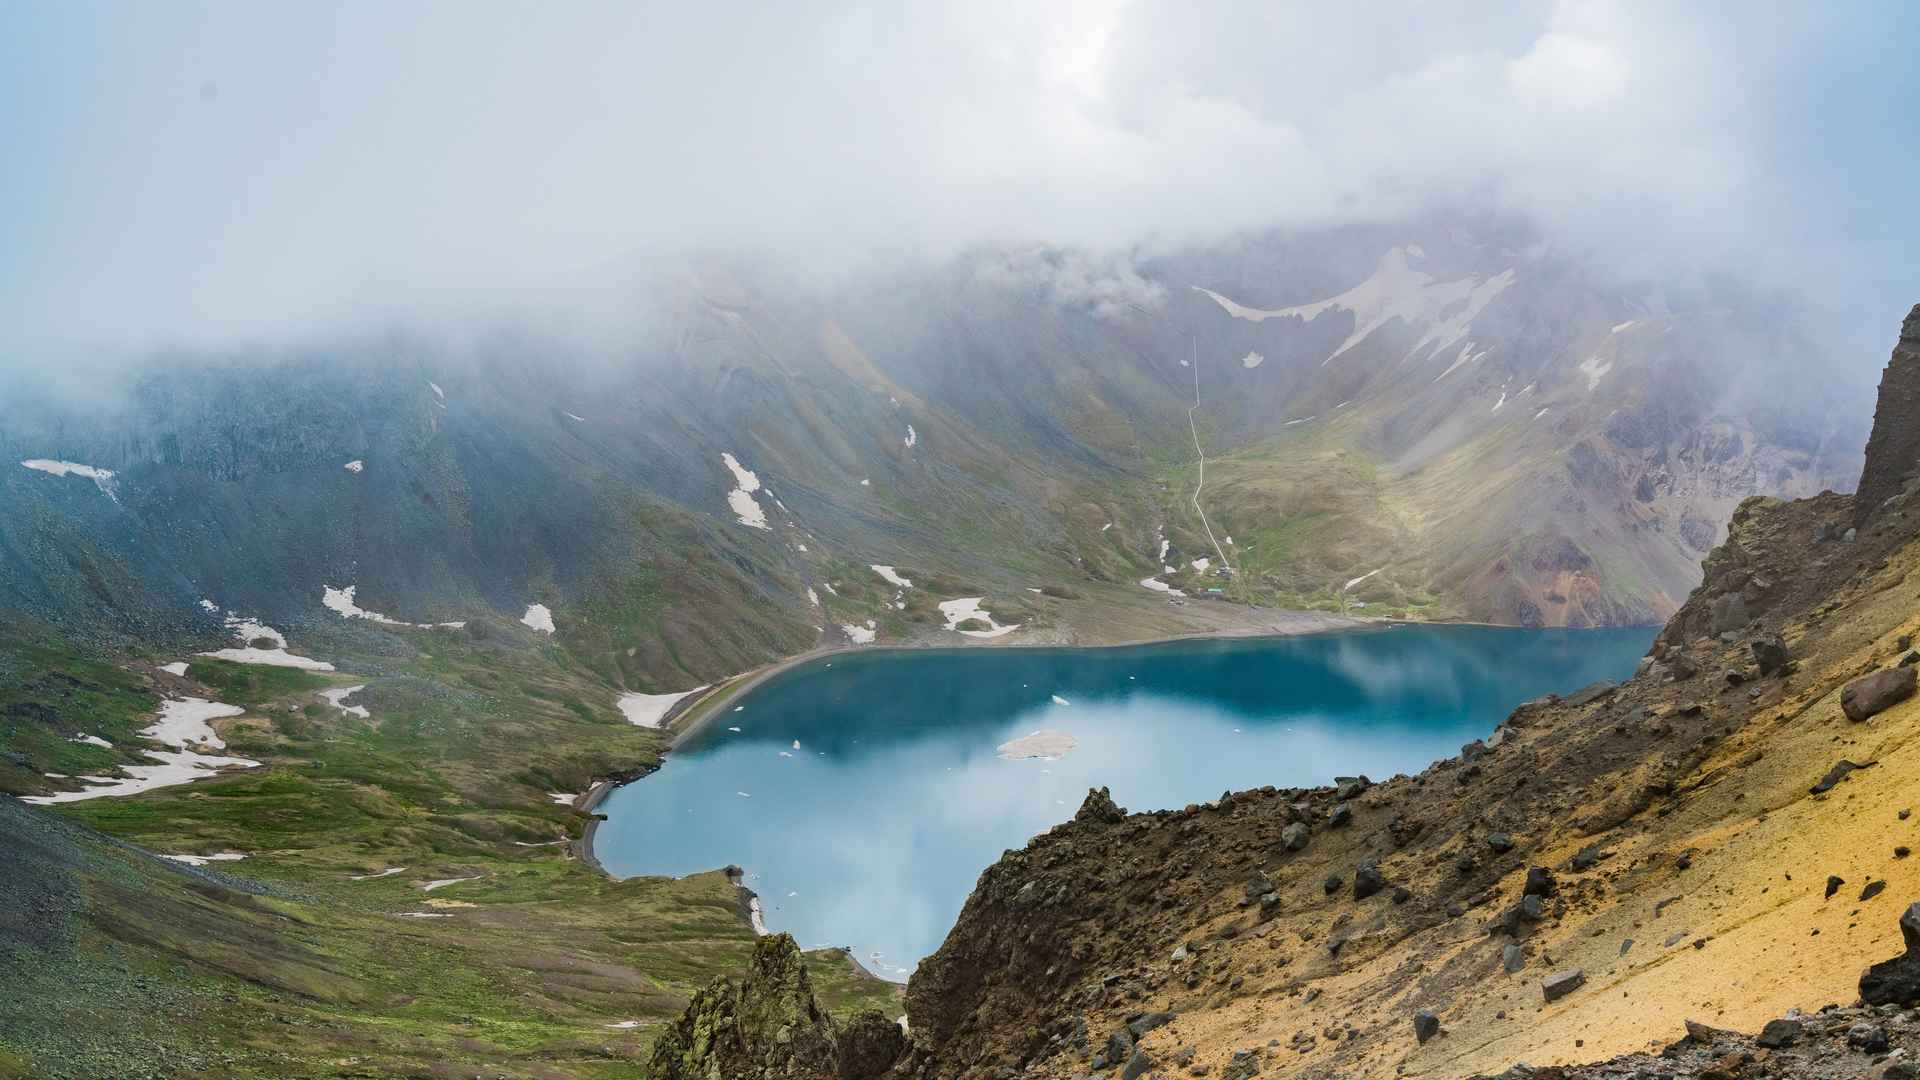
{"x":872,"y":831}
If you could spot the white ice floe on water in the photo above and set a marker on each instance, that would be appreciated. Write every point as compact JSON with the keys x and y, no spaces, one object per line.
{"x":912,"y":437}
{"x":178,"y":667}
{"x":1160,"y":586}
{"x":1058,"y":700}
{"x":539,"y":617}
{"x":183,"y":722}
{"x":740,"y":498}
{"x":202,"y":860}
{"x":388,"y":872}
{"x":1045,"y":744}
{"x":102,"y":478}
{"x":1252,"y":360}
{"x":337,"y":697}
{"x":354,"y":466}
{"x":647,"y":710}
{"x":892,"y":578}
{"x":1202,"y":563}
{"x":859,"y":635}
{"x":968,"y":607}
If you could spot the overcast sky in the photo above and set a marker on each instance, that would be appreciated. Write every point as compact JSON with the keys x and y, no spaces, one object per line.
{"x":193,"y":173}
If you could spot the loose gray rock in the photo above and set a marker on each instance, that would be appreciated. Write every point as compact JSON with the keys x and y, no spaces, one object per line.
{"x":1591,"y":693}
{"x":1876,"y":693}
{"x":1500,"y":842}
{"x":1137,"y":1066}
{"x":1560,"y":985}
{"x":1294,"y":836}
{"x":1141,"y":1025}
{"x":1342,"y":814}
{"x":1513,"y":958}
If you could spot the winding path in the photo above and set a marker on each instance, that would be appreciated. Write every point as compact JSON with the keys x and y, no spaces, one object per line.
{"x":1194,"y":430}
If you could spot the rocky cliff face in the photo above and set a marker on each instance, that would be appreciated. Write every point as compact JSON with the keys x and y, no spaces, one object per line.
{"x":1893,"y":450}
{"x":768,"y":1026}
{"x":1724,"y":838}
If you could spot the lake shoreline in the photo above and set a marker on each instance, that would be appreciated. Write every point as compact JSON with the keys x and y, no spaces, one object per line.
{"x":714,"y":701}
{"x":691,"y":717}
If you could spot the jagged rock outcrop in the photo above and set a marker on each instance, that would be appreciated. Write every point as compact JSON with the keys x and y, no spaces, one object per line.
{"x":1893,"y":450}
{"x":768,"y":1026}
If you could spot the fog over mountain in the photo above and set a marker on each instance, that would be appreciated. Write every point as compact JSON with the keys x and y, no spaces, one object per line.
{"x":213,"y":174}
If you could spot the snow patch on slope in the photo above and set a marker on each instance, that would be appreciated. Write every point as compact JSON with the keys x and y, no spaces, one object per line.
{"x":102,"y":478}
{"x":968,"y":607}
{"x":1394,"y":291}
{"x":647,"y":710}
{"x":745,"y":508}
{"x":539,"y":617}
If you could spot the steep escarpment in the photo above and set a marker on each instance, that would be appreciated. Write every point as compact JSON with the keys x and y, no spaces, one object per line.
{"x":1722,"y":839}
{"x":1893,"y":450}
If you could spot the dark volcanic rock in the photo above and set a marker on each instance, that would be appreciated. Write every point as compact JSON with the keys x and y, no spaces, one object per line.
{"x":1893,"y":450}
{"x":769,"y":1025}
{"x":1836,"y":774}
{"x":1099,"y":806}
{"x":1875,"y":693}
{"x":1896,"y":981}
{"x":1539,"y":881}
{"x":1367,"y":881}
{"x":1779,"y":1033}
{"x":1425,"y":1026}
{"x":1770,"y":653}
{"x":1294,"y":837}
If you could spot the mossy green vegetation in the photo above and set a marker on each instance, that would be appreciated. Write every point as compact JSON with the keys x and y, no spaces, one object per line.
{"x":325,"y":949}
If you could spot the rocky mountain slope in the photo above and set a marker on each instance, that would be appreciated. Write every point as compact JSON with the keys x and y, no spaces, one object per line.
{"x":1444,"y":423}
{"x":1634,"y":870}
